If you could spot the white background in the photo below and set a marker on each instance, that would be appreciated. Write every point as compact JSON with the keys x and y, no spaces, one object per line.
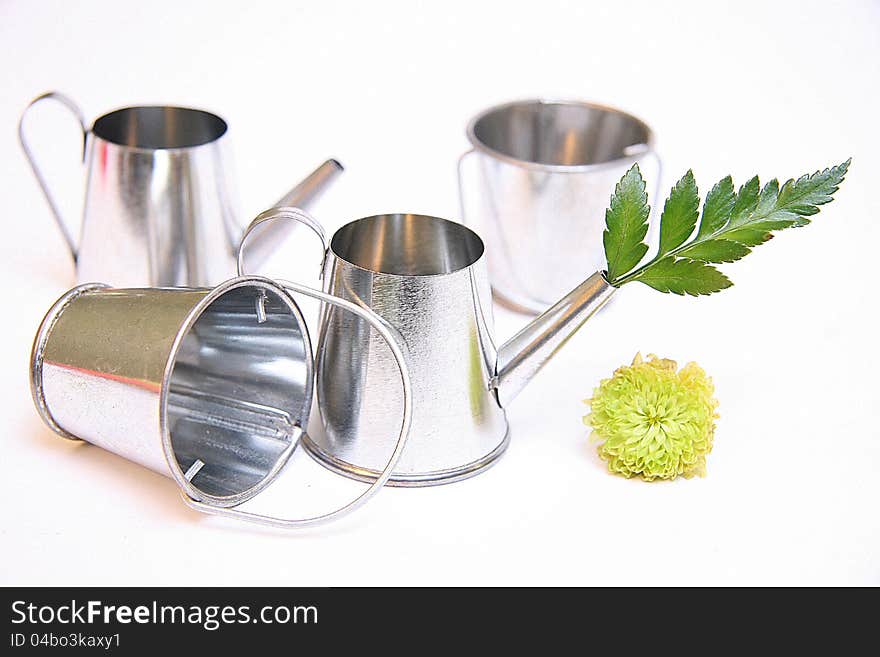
{"x":777,"y":89}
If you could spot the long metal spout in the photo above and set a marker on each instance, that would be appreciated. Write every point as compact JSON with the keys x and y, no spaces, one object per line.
{"x":521,"y":357}
{"x":264,"y":242}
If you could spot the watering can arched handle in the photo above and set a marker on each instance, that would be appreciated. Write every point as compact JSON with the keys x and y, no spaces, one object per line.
{"x":290,"y":214}
{"x":56,"y":212}
{"x":396,"y":345}
{"x":392,"y":338}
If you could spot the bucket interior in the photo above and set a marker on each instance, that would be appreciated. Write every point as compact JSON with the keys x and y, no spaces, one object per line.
{"x":239,"y":388}
{"x":560,"y":134}
{"x":159,"y":127}
{"x":407,"y":245}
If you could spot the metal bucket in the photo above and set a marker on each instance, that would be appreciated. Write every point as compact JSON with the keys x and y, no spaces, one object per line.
{"x":211,"y":387}
{"x":536,"y":183}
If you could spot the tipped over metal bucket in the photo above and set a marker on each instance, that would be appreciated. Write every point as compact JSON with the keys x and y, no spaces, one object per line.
{"x":211,"y":387}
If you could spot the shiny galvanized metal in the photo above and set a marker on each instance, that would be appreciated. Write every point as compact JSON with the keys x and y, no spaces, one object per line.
{"x":212,"y":388}
{"x":426,"y":277}
{"x":536,"y":184}
{"x":161,"y":205}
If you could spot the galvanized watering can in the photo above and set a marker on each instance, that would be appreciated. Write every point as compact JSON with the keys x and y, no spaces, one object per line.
{"x":426,"y":277}
{"x":211,"y":387}
{"x":161,"y":206}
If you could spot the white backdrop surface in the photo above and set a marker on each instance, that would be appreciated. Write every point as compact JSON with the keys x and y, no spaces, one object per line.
{"x":743,"y":87}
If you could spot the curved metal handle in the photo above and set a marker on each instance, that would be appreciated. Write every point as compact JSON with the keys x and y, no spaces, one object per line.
{"x":293,"y":214}
{"x":395,"y":344}
{"x":461,"y":204}
{"x":75,"y":110}
{"x":491,"y":227}
{"x":310,"y":189}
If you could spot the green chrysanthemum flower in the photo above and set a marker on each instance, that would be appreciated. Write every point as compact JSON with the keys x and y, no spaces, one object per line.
{"x":653,"y":421}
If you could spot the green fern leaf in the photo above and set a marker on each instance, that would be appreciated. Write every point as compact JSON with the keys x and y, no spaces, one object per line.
{"x":680,"y":214}
{"x":716,"y":251}
{"x":748,"y":236}
{"x":745,"y":203}
{"x":626,"y":224}
{"x":804,"y":196}
{"x":731,"y":225}
{"x":681,"y":276}
{"x":717,"y":208}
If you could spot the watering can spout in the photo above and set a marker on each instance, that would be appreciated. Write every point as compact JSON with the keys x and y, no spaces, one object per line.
{"x":309,"y":189}
{"x":521,"y":357}
{"x":265,"y":242}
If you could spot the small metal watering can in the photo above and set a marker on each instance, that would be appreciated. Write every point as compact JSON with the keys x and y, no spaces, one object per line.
{"x":160,"y":202}
{"x":211,"y":387}
{"x":426,"y":277}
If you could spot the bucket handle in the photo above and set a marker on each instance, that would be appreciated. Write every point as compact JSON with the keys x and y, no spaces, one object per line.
{"x":501,"y":242}
{"x":292,"y":214}
{"x":396,"y":345}
{"x":56,"y":212}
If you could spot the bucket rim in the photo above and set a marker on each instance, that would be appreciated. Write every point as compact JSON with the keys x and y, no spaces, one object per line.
{"x":38,"y":350}
{"x":177,"y":473}
{"x":479,"y":145}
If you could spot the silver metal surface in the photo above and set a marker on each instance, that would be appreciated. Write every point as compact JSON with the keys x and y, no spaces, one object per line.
{"x":265,"y":223}
{"x":392,"y":340}
{"x":263,"y":243}
{"x":212,"y":388}
{"x":426,"y":277}
{"x":536,"y":185}
{"x":523,"y":355}
{"x":111,"y":366}
{"x":161,"y":206}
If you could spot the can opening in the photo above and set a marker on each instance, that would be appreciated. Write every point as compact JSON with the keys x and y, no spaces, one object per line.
{"x":407,"y":245}
{"x":239,"y":391}
{"x":159,"y":128}
{"x":559,"y":133}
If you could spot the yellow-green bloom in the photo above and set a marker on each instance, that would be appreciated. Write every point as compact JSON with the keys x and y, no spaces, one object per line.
{"x":652,"y":421}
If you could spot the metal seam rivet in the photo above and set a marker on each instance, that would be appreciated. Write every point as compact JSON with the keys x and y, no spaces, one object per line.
{"x":194,"y":469}
{"x":261,"y":308}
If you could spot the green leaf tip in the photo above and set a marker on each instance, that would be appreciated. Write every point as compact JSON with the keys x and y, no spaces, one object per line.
{"x":731,"y":224}
{"x":680,"y":214}
{"x":626,"y":224}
